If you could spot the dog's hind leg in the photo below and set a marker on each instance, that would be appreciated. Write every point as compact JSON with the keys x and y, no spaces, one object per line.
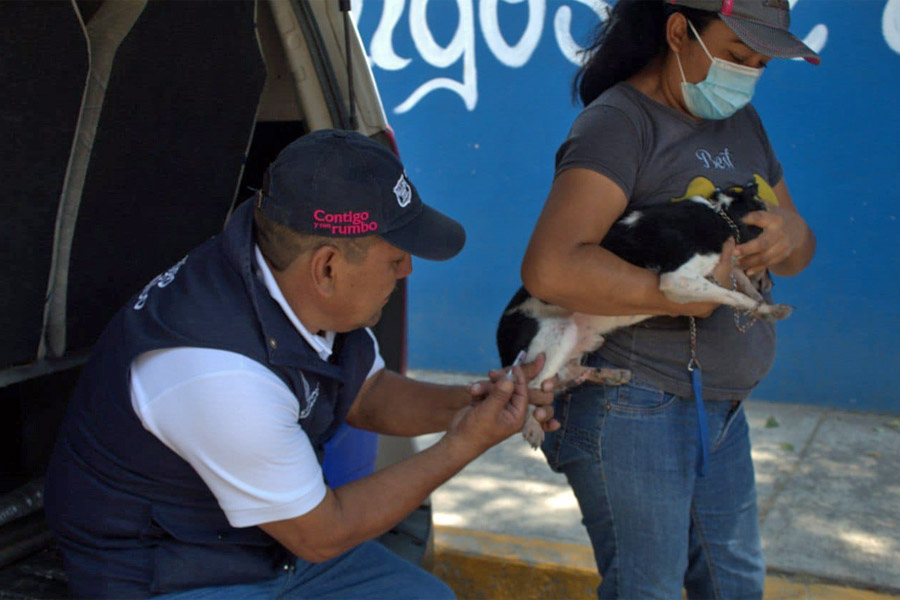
{"x":578,"y":374}
{"x":609,"y":376}
{"x":556,"y":338}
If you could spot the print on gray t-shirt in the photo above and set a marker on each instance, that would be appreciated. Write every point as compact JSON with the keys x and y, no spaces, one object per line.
{"x":657,"y":154}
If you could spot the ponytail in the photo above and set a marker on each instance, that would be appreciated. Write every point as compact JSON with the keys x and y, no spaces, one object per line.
{"x":633,"y":34}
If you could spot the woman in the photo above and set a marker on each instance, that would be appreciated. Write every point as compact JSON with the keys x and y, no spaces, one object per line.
{"x":666,"y":90}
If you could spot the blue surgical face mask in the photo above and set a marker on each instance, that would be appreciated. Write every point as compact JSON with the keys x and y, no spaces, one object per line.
{"x":727,"y":88}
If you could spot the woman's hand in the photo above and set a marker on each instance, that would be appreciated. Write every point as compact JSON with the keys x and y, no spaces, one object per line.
{"x":783,"y":232}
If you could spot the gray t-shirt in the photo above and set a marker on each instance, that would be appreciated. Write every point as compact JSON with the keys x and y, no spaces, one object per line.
{"x":657,"y":154}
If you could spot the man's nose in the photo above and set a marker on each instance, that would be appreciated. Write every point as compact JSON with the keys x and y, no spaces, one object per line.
{"x":405,"y":267}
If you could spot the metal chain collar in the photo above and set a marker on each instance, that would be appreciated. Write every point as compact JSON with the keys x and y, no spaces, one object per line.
{"x":734,"y":228}
{"x":741,"y":327}
{"x":693,"y":363}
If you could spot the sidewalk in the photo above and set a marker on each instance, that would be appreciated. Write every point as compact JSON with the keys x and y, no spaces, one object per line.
{"x":829,"y":498}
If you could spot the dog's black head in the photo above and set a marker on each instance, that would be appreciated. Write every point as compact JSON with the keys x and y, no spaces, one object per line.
{"x":736,"y":202}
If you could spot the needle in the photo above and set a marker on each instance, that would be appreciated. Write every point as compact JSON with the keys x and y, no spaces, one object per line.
{"x":519,"y":358}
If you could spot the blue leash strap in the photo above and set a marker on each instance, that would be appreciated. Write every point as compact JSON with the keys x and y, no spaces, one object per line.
{"x":702,"y":423}
{"x":693,"y":368}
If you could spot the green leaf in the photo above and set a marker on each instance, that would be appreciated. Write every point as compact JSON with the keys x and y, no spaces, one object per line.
{"x":772,"y":422}
{"x":787,"y":447}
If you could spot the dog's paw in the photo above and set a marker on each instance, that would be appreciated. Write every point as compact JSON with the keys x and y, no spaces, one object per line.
{"x":613,"y":376}
{"x":572,"y":375}
{"x":533,"y":433}
{"x":775,"y":312}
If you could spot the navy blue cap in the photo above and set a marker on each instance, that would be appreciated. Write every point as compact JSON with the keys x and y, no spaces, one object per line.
{"x":338,"y":183}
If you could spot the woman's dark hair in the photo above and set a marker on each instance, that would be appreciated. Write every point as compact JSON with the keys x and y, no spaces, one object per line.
{"x":633,"y":34}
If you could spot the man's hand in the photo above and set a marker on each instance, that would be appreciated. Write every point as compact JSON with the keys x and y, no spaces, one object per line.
{"x":500,"y":414}
{"x":541,"y":398}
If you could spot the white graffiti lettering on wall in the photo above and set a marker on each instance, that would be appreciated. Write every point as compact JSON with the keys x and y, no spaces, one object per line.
{"x":890,"y":24}
{"x":458,"y":56}
{"x":461,"y":48}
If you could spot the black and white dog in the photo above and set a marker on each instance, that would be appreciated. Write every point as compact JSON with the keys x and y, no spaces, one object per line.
{"x":682,"y":241}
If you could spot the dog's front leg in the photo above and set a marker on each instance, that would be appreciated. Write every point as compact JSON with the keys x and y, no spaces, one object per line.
{"x":744,"y":285}
{"x":683,"y":288}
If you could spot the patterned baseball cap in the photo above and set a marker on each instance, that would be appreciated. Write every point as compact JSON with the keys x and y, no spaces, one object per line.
{"x":338,"y":183}
{"x":761,"y":24}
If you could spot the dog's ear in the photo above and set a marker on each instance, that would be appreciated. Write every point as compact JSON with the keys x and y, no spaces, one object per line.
{"x":752,"y":188}
{"x":749,"y":197}
{"x":749,"y":194}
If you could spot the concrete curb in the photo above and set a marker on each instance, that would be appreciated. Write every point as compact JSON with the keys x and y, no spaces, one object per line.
{"x":480,"y":565}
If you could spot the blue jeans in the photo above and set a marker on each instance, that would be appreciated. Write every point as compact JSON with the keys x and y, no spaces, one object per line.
{"x":368,"y":571}
{"x":629,"y":453}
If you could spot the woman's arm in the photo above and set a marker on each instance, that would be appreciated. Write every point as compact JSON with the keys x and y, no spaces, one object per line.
{"x":787,"y":244}
{"x":565,"y":265}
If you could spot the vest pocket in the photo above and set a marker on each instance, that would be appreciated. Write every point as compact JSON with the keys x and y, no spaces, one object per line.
{"x":195,"y":548}
{"x":202,"y":526}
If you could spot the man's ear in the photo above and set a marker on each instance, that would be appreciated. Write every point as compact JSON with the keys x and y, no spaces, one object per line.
{"x":676,"y":32}
{"x":323,"y":266}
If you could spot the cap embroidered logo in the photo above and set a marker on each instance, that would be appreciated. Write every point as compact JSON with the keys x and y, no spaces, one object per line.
{"x":403,"y":191}
{"x":350,"y":222}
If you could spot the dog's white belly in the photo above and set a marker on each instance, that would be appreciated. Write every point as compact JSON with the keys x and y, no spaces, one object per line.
{"x":565,"y":340}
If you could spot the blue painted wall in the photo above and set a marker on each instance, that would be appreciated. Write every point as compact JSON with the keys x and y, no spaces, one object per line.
{"x":478,"y":92}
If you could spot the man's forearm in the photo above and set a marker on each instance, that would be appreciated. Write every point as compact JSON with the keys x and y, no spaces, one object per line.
{"x":372,"y":505}
{"x":364,"y":509}
{"x":398,"y":405}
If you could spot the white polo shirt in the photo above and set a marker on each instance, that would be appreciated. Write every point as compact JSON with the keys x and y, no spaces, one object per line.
{"x":235,"y":422}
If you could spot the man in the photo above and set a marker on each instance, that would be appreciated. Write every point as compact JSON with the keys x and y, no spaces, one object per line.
{"x":189,"y":460}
